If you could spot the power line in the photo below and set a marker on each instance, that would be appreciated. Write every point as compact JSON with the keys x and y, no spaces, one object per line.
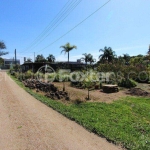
{"x":66,"y":10}
{"x":46,"y":27}
{"x":74,"y":26}
{"x":57,"y":25}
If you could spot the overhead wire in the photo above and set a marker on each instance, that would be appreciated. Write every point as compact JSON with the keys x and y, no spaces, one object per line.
{"x":46,"y":27}
{"x":75,"y":26}
{"x":55,"y":23}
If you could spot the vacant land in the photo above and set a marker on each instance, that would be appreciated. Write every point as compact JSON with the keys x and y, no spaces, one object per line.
{"x":26,"y":123}
{"x":100,"y":96}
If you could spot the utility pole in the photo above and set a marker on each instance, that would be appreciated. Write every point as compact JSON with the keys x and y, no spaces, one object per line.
{"x":149,"y":50}
{"x":34,"y":56}
{"x":15,"y":58}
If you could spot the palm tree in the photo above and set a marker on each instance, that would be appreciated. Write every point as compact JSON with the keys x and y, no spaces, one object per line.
{"x":86,"y":57}
{"x":91,"y":60}
{"x":2,"y":46}
{"x":108,"y":54}
{"x":126,"y":57}
{"x":51,"y":58}
{"x":67,"y":48}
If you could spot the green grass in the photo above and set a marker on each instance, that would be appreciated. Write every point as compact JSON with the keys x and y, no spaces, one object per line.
{"x":125,"y":122}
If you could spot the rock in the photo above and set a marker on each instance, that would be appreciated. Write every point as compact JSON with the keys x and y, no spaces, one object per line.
{"x":48,"y":88}
{"x":67,"y":98}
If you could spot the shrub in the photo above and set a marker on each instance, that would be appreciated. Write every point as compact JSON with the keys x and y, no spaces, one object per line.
{"x":29,"y":74}
{"x":143,"y":77}
{"x":12,"y":71}
{"x":51,"y":77}
{"x":128,"y":83}
{"x":16,"y":74}
{"x":100,"y":85}
{"x":77,"y":101}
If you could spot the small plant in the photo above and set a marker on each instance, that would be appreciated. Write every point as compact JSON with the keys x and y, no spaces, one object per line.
{"x":29,"y":74}
{"x":88,"y":84}
{"x":101,"y":85}
{"x":127,"y":83}
{"x":78,"y":101}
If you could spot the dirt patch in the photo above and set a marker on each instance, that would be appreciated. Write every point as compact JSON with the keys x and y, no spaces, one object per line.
{"x":95,"y":95}
{"x":144,"y":86}
{"x":138,"y":92}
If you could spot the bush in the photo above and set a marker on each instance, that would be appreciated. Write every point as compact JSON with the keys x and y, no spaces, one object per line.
{"x":143,"y":77}
{"x":78,"y":101}
{"x":16,"y":74}
{"x":29,"y":74}
{"x":12,"y":71}
{"x":128,"y":83}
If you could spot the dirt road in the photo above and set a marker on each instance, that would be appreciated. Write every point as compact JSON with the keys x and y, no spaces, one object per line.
{"x":27,"y":124}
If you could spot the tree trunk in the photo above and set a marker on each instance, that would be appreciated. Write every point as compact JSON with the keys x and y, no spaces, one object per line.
{"x":68,"y":57}
{"x":88,"y":98}
{"x":63,"y":86}
{"x":86,"y":65}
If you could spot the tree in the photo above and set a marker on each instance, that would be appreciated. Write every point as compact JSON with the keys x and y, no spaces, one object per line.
{"x":126,"y":57}
{"x":120,"y":60}
{"x":136,"y":60}
{"x":40,"y":58}
{"x":91,"y":60}
{"x":1,"y":61}
{"x":108,"y":55}
{"x":88,"y":58}
{"x":28,"y":60}
{"x":88,"y":83}
{"x":2,"y":46}
{"x":85,"y":58}
{"x":51,"y":58}
{"x":67,"y":48}
{"x":148,"y":50}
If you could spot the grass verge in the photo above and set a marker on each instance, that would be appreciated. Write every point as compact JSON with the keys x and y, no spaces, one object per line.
{"x":125,"y":122}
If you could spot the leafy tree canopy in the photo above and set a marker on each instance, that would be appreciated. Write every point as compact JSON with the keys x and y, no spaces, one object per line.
{"x":88,"y":58}
{"x":108,"y":55}
{"x":67,"y":48}
{"x":28,"y":60}
{"x":51,"y":58}
{"x":40,"y":58}
{"x":2,"y":46}
{"x":1,"y":61}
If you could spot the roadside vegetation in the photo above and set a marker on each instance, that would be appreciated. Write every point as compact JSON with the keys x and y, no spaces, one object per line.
{"x":125,"y":122}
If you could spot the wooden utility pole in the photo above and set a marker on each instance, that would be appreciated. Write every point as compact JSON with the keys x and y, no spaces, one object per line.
{"x":15,"y":58}
{"x":34,"y":56}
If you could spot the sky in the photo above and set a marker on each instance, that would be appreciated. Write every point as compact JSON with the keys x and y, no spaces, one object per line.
{"x":42,"y":26}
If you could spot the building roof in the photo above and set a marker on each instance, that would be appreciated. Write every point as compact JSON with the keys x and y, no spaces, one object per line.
{"x":11,"y":59}
{"x":62,"y":62}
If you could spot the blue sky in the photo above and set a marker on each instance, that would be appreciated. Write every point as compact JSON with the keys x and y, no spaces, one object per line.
{"x":123,"y":25}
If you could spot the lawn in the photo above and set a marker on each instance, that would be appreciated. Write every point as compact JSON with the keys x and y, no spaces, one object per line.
{"x":125,"y":122}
